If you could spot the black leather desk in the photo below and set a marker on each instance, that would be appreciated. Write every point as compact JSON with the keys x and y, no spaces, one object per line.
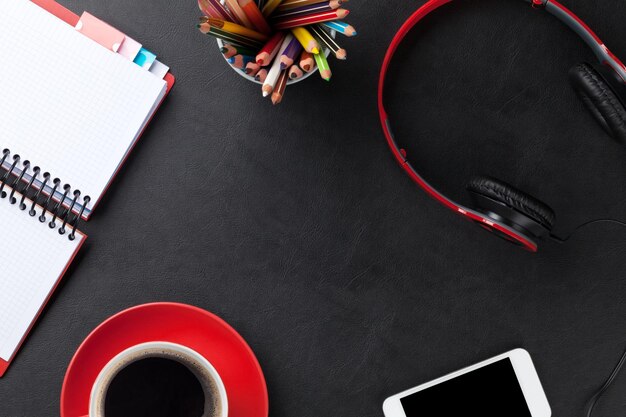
{"x":295,"y":225}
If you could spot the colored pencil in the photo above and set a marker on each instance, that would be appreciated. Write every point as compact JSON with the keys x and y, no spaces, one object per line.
{"x":261,"y":75}
{"x":307,"y":62}
{"x":238,"y":29}
{"x":307,"y":40}
{"x":240,"y":61}
{"x":204,"y":27}
{"x":208,"y":9}
{"x":292,"y":4}
{"x":305,"y":10}
{"x":207,"y":29}
{"x":252,"y":68}
{"x":230,"y":51}
{"x":281,"y":85}
{"x":229,"y":37}
{"x":295,"y":72}
{"x":274,"y":72}
{"x":270,"y":49}
{"x":237,"y":12}
{"x":255,"y":16}
{"x":228,"y":15}
{"x":223,"y":12}
{"x":341,"y":27}
{"x":237,"y":39}
{"x":328,"y":40}
{"x":290,"y":53}
{"x":270,"y":6}
{"x":322,"y":64}
{"x":310,"y":19}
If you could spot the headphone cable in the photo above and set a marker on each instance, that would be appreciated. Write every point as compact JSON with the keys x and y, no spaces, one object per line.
{"x":590,"y":222}
{"x":606,"y":385}
{"x":596,"y":397}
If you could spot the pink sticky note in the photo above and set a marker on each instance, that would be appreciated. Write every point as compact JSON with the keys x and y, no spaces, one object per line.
{"x":103,"y":33}
{"x":129,"y":49}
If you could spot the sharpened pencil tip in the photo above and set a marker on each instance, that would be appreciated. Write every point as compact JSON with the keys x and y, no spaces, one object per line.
{"x":265,"y":94}
{"x":315,"y":51}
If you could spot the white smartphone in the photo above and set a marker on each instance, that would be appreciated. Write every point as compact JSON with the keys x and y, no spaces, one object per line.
{"x":505,"y":385}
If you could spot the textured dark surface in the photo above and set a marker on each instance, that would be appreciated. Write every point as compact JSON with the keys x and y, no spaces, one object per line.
{"x":296,"y":226}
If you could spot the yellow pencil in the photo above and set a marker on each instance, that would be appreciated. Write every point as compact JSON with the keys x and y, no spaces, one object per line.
{"x":238,"y":29}
{"x":306,"y":39}
{"x":270,"y":6}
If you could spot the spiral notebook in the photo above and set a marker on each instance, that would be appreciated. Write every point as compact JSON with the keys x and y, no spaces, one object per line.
{"x":72,"y":106}
{"x":72,"y":109}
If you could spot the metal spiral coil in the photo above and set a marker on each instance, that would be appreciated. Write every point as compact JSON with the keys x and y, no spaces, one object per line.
{"x":13,"y":176}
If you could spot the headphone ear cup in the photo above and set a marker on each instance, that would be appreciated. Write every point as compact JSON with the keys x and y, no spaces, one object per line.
{"x":603,"y":96}
{"x":506,"y":204}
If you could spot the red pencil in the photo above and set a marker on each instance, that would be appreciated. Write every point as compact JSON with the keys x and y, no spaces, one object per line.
{"x":208,"y":9}
{"x":270,"y":49}
{"x":219,"y":11}
{"x":310,"y":19}
{"x":307,"y":62}
{"x":255,"y":16}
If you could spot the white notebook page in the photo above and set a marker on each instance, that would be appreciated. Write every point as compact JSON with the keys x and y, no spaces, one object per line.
{"x":69,"y":105}
{"x":33,"y":257}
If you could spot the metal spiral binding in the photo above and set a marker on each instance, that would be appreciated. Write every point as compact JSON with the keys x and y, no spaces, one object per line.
{"x":34,"y":193}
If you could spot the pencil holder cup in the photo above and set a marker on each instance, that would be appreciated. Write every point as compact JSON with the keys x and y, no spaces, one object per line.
{"x":276,"y":43}
{"x":220,"y":45}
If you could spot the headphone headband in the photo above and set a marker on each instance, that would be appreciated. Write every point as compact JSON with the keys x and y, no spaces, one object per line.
{"x":551,"y":6}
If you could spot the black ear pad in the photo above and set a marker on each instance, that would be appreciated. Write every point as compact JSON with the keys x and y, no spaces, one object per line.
{"x":507,"y":204}
{"x":604,"y":95}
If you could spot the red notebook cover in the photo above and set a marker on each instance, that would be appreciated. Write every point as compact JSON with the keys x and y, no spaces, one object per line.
{"x":71,"y":19}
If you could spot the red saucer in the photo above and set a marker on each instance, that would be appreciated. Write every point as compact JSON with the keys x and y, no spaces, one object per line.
{"x":190,"y":326}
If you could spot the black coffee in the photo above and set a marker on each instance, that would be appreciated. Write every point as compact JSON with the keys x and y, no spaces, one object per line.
{"x":155,"y":387}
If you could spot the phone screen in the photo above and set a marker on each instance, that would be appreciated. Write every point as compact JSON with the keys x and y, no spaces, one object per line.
{"x":490,"y":391}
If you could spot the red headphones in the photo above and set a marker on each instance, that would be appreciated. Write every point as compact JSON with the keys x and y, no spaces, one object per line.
{"x":499,"y":207}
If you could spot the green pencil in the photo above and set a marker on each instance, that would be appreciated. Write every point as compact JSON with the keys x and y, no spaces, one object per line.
{"x":231,"y":50}
{"x":322,"y":64}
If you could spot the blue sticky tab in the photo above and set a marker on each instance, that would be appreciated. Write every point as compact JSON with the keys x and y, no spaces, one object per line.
{"x":145,"y":59}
